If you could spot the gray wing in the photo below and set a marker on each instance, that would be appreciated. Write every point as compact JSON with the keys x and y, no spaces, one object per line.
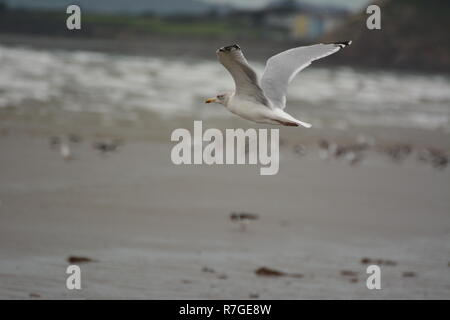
{"x":245,"y":78}
{"x":283,"y":67}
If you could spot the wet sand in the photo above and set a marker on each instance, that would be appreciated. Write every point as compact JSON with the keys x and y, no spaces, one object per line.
{"x":156,"y":230}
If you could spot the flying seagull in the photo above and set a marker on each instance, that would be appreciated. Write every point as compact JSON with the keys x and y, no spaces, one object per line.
{"x":263,"y":100}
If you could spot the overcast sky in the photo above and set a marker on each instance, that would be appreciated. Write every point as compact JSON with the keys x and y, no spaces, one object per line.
{"x":351,"y":4}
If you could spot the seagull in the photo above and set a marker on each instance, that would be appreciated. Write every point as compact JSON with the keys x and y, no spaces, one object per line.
{"x":105,"y":147}
{"x":243,"y":218}
{"x":264,"y":100}
{"x":65,"y":152}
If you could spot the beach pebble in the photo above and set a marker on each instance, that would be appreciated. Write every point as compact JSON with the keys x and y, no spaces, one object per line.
{"x":409,"y":274}
{"x":378,"y":262}
{"x":79,"y":259}
{"x":349,"y":273}
{"x":208,"y":270}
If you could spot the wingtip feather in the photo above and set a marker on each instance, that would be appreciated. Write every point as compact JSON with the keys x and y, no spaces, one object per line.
{"x":229,"y":48}
{"x":343,"y":44}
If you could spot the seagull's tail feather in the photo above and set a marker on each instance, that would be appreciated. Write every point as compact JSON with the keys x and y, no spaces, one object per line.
{"x":294,"y":123}
{"x":288,"y":120}
{"x":304,"y":124}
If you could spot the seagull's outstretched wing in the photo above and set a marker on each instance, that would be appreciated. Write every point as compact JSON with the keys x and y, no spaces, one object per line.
{"x":283,"y":67}
{"x":245,"y":78}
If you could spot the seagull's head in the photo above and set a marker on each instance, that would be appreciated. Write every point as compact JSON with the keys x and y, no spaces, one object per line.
{"x":221,"y":98}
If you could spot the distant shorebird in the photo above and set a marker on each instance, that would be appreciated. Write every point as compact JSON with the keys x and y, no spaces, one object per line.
{"x":54,"y":142}
{"x":352,"y":153}
{"x":263,"y":101}
{"x":105,"y":147}
{"x":437,"y":158}
{"x":399,"y":152}
{"x":74,"y":138}
{"x":65,"y":152}
{"x":299,"y":149}
{"x":243,"y":218}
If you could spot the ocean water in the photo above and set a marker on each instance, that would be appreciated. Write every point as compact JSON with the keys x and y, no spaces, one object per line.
{"x":126,"y":86}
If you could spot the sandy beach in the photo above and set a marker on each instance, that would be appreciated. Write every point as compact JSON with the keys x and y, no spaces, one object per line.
{"x":160,"y":231}
{"x":368,"y":184}
{"x":87,"y":178}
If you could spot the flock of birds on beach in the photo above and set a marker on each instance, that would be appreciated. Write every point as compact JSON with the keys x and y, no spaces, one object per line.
{"x":355,"y":153}
{"x":351,"y":153}
{"x":63,"y":145}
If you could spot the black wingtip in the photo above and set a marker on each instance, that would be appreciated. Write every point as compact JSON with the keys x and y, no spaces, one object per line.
{"x":230,"y":48}
{"x":343,"y":44}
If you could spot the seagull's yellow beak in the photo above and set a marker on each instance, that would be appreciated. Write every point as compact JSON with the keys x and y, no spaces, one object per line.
{"x":211,"y":100}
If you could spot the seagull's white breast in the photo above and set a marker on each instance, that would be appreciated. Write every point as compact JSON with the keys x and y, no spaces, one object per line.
{"x":248,"y":109}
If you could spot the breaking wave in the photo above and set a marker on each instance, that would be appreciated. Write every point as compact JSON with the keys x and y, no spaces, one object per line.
{"x":98,"y":82}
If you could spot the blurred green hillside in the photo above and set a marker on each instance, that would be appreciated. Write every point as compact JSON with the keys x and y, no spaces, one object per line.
{"x":26,"y":21}
{"x":413,"y":34}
